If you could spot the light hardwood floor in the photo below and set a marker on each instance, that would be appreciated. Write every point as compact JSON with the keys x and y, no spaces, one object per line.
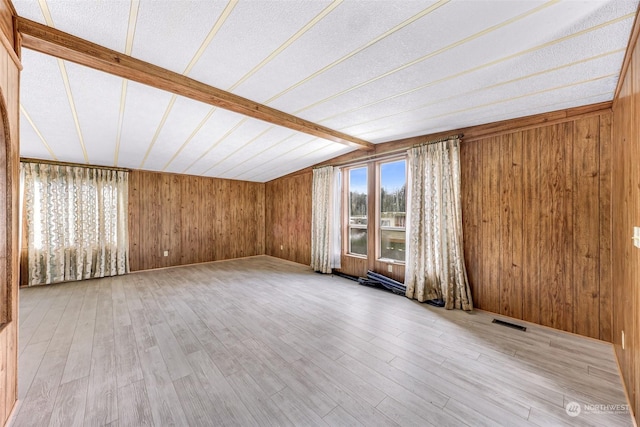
{"x":261,"y":341}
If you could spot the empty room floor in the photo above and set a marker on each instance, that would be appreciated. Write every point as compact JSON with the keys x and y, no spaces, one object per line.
{"x":262,"y":341}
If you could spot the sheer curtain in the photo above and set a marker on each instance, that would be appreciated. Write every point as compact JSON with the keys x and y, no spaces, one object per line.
{"x":325,"y":219}
{"x":76,"y":222}
{"x":435,"y":258}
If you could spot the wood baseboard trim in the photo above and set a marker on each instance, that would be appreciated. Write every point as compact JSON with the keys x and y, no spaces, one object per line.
{"x":196,"y":263}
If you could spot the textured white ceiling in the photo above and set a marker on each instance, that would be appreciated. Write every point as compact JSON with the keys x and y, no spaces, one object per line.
{"x":377,"y":70}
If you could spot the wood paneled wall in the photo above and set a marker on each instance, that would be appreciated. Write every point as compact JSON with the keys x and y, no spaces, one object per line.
{"x":536,"y":220}
{"x":625,"y":202}
{"x":288,"y":218}
{"x":196,"y":219}
{"x":9,"y":166}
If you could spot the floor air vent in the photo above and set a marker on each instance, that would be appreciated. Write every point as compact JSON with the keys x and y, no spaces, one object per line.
{"x":510,"y":325}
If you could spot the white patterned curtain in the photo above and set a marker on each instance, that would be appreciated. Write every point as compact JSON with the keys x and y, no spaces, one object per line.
{"x":325,"y":219}
{"x":77,"y":222}
{"x":435,"y":258}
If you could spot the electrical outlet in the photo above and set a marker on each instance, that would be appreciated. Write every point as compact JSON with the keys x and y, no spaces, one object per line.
{"x":636,"y":237}
{"x":390,"y":268}
{"x":623,"y":340}
{"x":281,"y":247}
{"x":166,"y":253}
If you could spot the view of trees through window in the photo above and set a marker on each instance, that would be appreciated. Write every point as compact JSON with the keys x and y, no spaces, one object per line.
{"x":393,"y":209}
{"x":358,"y":221}
{"x":390,"y":219}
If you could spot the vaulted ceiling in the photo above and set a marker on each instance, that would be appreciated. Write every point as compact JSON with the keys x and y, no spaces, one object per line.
{"x":375,"y":70}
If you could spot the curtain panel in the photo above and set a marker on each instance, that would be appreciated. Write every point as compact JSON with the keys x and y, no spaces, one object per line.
{"x":76,"y":222}
{"x":435,"y":257}
{"x":325,"y":220}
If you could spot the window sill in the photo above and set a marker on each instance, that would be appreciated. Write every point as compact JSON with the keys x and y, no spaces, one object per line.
{"x":365,"y":257}
{"x":390,"y":261}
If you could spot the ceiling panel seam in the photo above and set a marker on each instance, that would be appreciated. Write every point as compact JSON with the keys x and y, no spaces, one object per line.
{"x":481,"y":89}
{"x":261,"y":174}
{"x":288,"y":43}
{"x":526,"y":95}
{"x":131,"y":31}
{"x":489,"y":64}
{"x":493,"y":118}
{"x":360,"y":49}
{"x":335,"y":63}
{"x":241,"y":146}
{"x":246,"y":159}
{"x":37,"y":131}
{"x":212,"y":33}
{"x":188,"y":140}
{"x":215,"y":144}
{"x":265,"y":61}
{"x":65,"y":79}
{"x":547,"y":107}
{"x":435,"y":53}
{"x":502,"y":101}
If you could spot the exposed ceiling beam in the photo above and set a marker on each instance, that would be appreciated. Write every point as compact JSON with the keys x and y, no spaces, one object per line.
{"x":62,"y":45}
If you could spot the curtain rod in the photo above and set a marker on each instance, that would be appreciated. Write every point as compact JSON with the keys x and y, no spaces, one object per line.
{"x":387,"y":153}
{"x":77,"y":165}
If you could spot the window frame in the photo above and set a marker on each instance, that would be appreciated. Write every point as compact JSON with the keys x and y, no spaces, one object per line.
{"x":373,"y":227}
{"x":347,"y":211}
{"x":378,"y":201}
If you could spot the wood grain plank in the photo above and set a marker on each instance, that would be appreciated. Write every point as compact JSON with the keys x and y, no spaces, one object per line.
{"x":426,"y":359}
{"x":586,"y":225}
{"x":531,"y":238}
{"x":134,"y":408}
{"x":471,"y":161}
{"x":134,"y":221}
{"x":566,"y":232}
{"x":604,"y":194}
{"x":553,"y":229}
{"x":163,"y":398}
{"x":197,"y":219}
{"x":70,"y":403}
{"x":489,"y":298}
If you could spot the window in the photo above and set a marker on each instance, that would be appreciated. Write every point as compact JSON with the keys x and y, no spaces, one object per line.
{"x":384,"y":237}
{"x":358,"y":211}
{"x":393,"y":210}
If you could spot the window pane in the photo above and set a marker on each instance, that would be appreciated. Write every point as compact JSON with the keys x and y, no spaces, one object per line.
{"x":392,"y":244}
{"x":358,"y":196}
{"x":393,"y":208}
{"x":358,"y":241}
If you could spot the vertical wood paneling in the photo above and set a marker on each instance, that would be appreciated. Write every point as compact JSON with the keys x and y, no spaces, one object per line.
{"x":134,"y":218}
{"x":196,"y":219}
{"x":566,"y":231}
{"x":259,"y":218}
{"x":471,"y":184}
{"x":535,"y":244}
{"x":625,"y":214}
{"x":536,"y":254}
{"x":9,"y":221}
{"x":606,"y":311}
{"x":555,"y":225}
{"x":491,"y":242}
{"x":511,"y":274}
{"x":531,"y":227}
{"x":288,"y":218}
{"x":586,"y":226}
